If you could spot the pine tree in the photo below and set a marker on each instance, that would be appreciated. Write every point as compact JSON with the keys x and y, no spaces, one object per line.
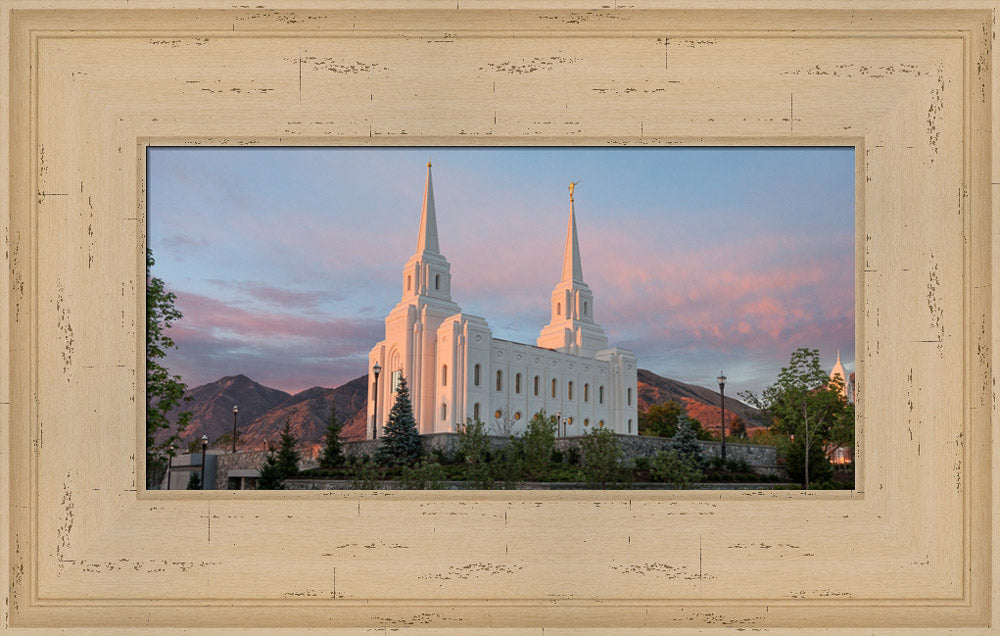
{"x":194,"y":482}
{"x":400,"y":444}
{"x":288,"y":457}
{"x":270,"y":473}
{"x":332,"y":456}
{"x":686,"y":439}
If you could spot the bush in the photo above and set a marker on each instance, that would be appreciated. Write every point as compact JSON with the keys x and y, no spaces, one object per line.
{"x":425,"y":476}
{"x":366,"y":475}
{"x":573,"y":456}
{"x":602,"y":458}
{"x":673,"y":468}
{"x":642,"y":463}
{"x":507,"y":466}
{"x":474,"y":449}
{"x":820,"y":469}
{"x":539,"y":442}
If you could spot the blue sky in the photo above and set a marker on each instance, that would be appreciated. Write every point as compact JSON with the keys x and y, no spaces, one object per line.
{"x":285,"y":261}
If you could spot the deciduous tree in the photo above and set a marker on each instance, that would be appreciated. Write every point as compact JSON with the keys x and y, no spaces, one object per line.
{"x":164,"y":391}
{"x":805,"y":404}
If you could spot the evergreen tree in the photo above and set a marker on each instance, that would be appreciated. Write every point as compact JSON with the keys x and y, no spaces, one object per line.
{"x":270,"y":473}
{"x":194,"y":482}
{"x":400,"y":444}
{"x":332,"y":456}
{"x":288,"y":457}
{"x":686,"y":440}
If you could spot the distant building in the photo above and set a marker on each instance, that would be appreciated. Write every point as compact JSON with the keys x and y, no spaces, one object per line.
{"x":842,"y":455}
{"x":457,"y":370}
{"x":847,"y":390}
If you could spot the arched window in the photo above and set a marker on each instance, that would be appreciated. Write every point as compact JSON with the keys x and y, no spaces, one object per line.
{"x":601,"y":424}
{"x":585,"y":308}
{"x":475,"y":374}
{"x":630,"y":427}
{"x":586,"y":392}
{"x":586,"y":422}
{"x":600,"y":395}
{"x":444,"y":375}
{"x":498,"y":414}
{"x":537,"y":380}
{"x":499,"y":380}
{"x":517,"y":383}
{"x":444,"y":411}
{"x":437,"y":281}
{"x":409,"y":283}
{"x":558,"y":309}
{"x":475,"y":411}
{"x":517,"y":416}
{"x":630,"y":396}
{"x":553,"y":387}
{"x":569,"y":391}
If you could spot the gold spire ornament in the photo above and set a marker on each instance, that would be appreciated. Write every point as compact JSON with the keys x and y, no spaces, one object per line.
{"x":572,"y":184}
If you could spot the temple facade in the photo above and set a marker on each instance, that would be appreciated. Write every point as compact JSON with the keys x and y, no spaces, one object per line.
{"x":457,"y":370}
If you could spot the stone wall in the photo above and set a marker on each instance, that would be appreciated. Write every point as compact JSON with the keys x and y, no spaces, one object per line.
{"x":244,"y":460}
{"x":762,"y":459}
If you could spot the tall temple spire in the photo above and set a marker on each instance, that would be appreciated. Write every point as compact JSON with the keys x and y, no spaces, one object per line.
{"x":427,"y":240}
{"x":572,"y":269}
{"x":572,"y":328}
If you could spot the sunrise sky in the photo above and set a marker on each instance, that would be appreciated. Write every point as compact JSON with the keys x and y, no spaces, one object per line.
{"x":285,"y":261}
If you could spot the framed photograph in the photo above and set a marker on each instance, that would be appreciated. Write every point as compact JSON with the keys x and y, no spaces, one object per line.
{"x":89,"y":89}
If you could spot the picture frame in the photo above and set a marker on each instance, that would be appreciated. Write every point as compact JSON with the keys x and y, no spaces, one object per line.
{"x":90,"y":87}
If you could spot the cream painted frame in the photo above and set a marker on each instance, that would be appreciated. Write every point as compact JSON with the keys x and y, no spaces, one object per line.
{"x":914,"y":90}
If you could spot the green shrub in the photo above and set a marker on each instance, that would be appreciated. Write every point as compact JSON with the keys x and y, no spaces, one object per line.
{"x":671,"y":467}
{"x":602,"y":458}
{"x":427,"y":475}
{"x":539,"y":441}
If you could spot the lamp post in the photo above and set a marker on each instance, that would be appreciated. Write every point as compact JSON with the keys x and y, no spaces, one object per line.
{"x":204,"y":449}
{"x":170,"y":464}
{"x":722,"y":398}
{"x":376,"y":370}
{"x":235,"y":411}
{"x":559,"y":425}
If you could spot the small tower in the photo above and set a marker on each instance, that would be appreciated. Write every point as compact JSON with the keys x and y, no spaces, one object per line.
{"x":571,"y":328}
{"x":838,"y":370}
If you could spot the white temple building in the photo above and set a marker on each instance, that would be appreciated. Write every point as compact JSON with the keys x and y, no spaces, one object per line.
{"x":847,"y":382}
{"x":457,"y":370}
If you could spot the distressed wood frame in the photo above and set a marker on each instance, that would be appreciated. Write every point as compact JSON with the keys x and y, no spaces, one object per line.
{"x":92,"y":83}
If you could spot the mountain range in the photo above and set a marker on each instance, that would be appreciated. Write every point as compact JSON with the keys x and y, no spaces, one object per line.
{"x":263,"y":410}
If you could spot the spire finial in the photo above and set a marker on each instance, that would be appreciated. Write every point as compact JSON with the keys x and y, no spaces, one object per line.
{"x":427,"y":240}
{"x":572,"y":269}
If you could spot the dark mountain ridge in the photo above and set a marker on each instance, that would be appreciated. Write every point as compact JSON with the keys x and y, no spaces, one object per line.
{"x":263,"y":411}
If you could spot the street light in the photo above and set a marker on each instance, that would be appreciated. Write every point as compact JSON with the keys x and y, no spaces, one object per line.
{"x":170,"y":464}
{"x":722,"y":398}
{"x":235,"y":411}
{"x":204,"y":449}
{"x":376,"y":370}
{"x":559,"y":424}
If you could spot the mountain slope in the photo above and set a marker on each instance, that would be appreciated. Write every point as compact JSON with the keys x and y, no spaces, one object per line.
{"x":702,"y":403}
{"x":212,"y":406}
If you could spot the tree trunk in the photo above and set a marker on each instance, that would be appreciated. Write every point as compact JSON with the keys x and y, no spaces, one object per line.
{"x":805,"y":418}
